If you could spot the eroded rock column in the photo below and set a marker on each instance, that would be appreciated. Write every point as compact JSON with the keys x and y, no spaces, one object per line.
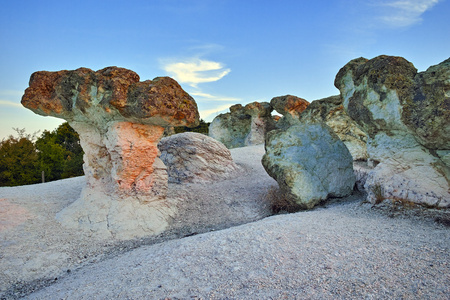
{"x":120,"y":122}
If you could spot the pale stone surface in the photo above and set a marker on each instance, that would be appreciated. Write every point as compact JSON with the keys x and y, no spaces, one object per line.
{"x":120,"y":122}
{"x":407,"y":122}
{"x":243,"y":126}
{"x":261,"y":122}
{"x":310,"y":163}
{"x":194,"y":157}
{"x":331,"y":111}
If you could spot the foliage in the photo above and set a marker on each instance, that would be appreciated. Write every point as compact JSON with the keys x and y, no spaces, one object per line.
{"x":18,"y":160}
{"x":203,"y":127}
{"x":378,"y":192}
{"x":58,"y":153}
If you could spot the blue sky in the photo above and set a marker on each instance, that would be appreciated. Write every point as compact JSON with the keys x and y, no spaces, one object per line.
{"x":221,"y":52}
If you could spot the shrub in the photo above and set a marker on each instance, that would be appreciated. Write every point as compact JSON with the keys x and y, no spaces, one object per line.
{"x":378,"y":192}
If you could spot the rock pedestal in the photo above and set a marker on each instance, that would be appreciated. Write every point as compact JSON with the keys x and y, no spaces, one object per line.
{"x":120,"y":121}
{"x":406,"y":116}
{"x":243,"y":126}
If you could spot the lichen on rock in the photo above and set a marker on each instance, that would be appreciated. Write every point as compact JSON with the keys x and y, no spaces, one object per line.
{"x":243,"y":126}
{"x":290,"y":107}
{"x":406,"y":116}
{"x":331,"y":111}
{"x":120,"y":121}
{"x":309,"y":162}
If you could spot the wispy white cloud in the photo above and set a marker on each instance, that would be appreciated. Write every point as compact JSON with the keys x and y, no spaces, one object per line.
{"x":207,"y":113}
{"x":214,"y":98}
{"x":195,"y":70}
{"x":404,"y":13}
{"x":10,"y":103}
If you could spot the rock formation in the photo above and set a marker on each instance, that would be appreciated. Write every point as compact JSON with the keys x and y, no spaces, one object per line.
{"x":331,"y":111}
{"x":120,"y":121}
{"x":406,"y":116}
{"x":290,"y":107}
{"x":309,"y":162}
{"x":261,"y":121}
{"x":195,"y":157}
{"x":243,"y":126}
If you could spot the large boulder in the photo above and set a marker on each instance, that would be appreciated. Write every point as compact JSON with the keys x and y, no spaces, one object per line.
{"x":195,"y":158}
{"x":243,"y":126}
{"x":310,"y":163}
{"x":406,"y":116}
{"x":120,"y":121}
{"x":331,"y":111}
{"x":290,"y":107}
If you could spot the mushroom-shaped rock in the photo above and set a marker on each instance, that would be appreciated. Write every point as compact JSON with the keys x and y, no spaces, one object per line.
{"x":290,"y":107}
{"x":406,"y":116}
{"x":243,"y":126}
{"x":120,"y":121}
{"x":331,"y":111}
{"x":195,"y":157}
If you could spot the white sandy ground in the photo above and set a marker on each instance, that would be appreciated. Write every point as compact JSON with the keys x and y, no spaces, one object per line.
{"x":342,"y":250}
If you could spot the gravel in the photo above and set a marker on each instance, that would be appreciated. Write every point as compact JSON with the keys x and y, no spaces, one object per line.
{"x":223,"y":245}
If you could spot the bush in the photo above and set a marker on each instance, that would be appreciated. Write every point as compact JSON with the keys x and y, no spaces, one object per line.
{"x":57,"y":153}
{"x":18,"y":160}
{"x":202,"y":128}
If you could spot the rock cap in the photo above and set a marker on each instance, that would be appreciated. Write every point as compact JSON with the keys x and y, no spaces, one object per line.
{"x":110,"y":94}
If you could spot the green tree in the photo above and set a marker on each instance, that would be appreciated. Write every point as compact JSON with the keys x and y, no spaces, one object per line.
{"x":60,"y":153}
{"x":19,"y":160}
{"x":51,"y":156}
{"x":203,"y":127}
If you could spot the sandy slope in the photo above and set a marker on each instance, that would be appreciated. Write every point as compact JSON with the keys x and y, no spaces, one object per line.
{"x":345,"y":250}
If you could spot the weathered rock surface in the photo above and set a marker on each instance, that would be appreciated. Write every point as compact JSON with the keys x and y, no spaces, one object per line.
{"x":406,"y":116}
{"x":309,"y":162}
{"x":261,"y":122}
{"x":243,"y":126}
{"x":195,"y":157}
{"x":291,"y":107}
{"x":331,"y":111}
{"x":120,"y":122}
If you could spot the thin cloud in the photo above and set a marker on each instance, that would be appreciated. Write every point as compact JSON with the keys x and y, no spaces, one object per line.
{"x":195,"y":71}
{"x":214,"y":98}
{"x":206,"y":113}
{"x":10,"y":104}
{"x":404,"y":13}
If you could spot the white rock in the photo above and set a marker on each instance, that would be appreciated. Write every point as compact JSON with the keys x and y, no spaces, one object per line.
{"x":195,"y":157}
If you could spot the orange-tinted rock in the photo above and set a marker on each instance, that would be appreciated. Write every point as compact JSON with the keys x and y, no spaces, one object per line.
{"x":290,"y":107}
{"x":112,"y":93}
{"x":133,"y":149}
{"x":120,"y":121}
